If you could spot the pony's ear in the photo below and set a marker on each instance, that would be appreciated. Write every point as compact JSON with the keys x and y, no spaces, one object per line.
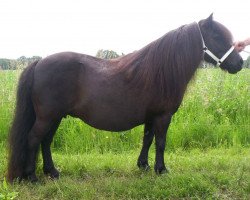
{"x":209,"y":21}
{"x":210,"y":18}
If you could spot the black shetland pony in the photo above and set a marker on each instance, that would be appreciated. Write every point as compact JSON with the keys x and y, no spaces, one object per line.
{"x":144,"y":87}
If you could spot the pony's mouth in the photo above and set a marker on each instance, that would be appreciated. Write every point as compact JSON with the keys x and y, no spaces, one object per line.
{"x":234,"y":70}
{"x":232,"y":67}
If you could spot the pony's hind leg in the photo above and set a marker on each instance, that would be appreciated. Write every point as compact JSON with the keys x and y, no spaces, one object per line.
{"x":48,"y":165}
{"x":147,"y":141}
{"x":37,"y":133}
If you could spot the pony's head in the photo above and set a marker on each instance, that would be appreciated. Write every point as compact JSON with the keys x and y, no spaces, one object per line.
{"x":218,"y":46}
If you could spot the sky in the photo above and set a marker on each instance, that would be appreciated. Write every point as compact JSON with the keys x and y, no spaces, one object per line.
{"x":44,"y":27}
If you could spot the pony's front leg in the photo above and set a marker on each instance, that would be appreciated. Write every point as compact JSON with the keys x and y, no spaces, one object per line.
{"x":160,"y":127}
{"x":147,"y":141}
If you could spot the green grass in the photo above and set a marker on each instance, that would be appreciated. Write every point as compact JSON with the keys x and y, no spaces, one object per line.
{"x":212,"y":174}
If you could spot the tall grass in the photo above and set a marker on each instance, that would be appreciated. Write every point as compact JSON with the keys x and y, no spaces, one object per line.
{"x":214,"y":113}
{"x":8,"y":83}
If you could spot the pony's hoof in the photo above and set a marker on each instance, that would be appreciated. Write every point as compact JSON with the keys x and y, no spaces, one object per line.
{"x":143,"y":165}
{"x":161,"y":170}
{"x":32,"y":178}
{"x":53,"y":173}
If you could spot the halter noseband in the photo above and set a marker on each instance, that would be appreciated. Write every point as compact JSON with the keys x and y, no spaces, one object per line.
{"x":208,"y":52}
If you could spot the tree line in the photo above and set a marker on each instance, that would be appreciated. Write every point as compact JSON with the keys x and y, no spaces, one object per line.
{"x":22,"y":62}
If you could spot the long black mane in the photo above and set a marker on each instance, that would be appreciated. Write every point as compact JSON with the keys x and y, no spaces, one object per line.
{"x":168,"y":62}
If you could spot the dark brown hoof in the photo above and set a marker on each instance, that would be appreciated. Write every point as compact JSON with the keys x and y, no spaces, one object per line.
{"x":53,"y":173}
{"x":32,"y":178}
{"x":143,"y":165}
{"x":161,"y":170}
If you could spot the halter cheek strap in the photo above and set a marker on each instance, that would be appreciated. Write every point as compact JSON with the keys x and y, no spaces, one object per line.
{"x":219,"y":61}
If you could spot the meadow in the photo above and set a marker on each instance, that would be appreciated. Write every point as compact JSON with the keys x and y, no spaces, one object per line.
{"x":208,"y":149}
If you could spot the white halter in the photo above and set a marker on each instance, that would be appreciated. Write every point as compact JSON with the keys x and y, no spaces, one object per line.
{"x":208,"y":52}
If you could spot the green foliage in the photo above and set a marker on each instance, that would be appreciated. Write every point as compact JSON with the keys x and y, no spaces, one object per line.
{"x":20,"y":63}
{"x":6,"y":192}
{"x":247,"y":63}
{"x":107,"y":54}
{"x":7,"y":64}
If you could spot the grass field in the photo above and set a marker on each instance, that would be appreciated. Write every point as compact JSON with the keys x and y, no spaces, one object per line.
{"x":194,"y":174}
{"x":208,"y":149}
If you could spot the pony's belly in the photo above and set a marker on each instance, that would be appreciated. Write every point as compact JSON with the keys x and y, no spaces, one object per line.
{"x":112,"y":122}
{"x":109,"y":126}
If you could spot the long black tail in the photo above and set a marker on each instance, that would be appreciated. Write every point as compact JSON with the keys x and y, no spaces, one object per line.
{"x":23,"y":121}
